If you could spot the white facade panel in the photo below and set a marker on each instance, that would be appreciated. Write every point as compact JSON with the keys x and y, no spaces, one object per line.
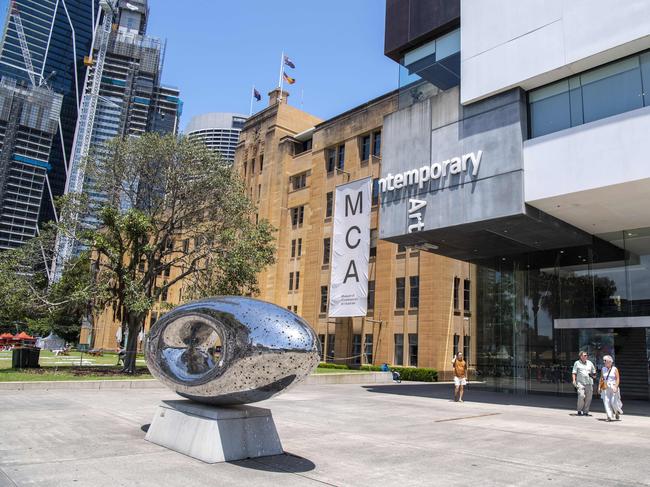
{"x":500,"y":21}
{"x":509,"y":43}
{"x":595,"y":176}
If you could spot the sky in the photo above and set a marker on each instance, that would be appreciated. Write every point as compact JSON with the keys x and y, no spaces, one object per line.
{"x":217,"y":50}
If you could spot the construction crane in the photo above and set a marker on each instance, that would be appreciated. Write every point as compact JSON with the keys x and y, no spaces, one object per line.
{"x":83,"y":136}
{"x":22,"y":39}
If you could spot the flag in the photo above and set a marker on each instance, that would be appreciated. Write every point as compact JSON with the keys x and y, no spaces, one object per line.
{"x":257,"y":95}
{"x":288,"y":78}
{"x":289,"y":62}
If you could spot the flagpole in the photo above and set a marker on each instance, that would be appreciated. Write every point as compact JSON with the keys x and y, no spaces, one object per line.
{"x":280,"y":80}
{"x":252,"y":95}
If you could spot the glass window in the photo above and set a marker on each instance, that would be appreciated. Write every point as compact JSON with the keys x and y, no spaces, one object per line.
{"x":376,"y":143}
{"x":414,"y":291}
{"x":330,"y":160}
{"x":297,"y":215}
{"x":321,"y":339}
{"x":356,"y":349}
{"x":375,"y":191}
{"x":297,"y":280}
{"x":612,"y":89}
{"x":371,"y":294}
{"x":290,"y":281}
{"x":645,"y":77}
{"x":367,"y":348}
{"x":326,"y":250}
{"x":399,"y":349}
{"x":365,"y":147}
{"x":413,"y":349}
{"x":456,"y":340}
{"x":261,"y":162}
{"x":293,"y":248}
{"x":331,"y":342}
{"x":323,"y":299}
{"x":466,"y":348}
{"x":466,"y":295}
{"x":299,"y":181}
{"x":341,"y":157}
{"x":299,"y":250}
{"x":373,"y":242}
{"x":456,"y":291}
{"x":400,"y":292}
{"x":329,"y":204}
{"x":550,"y":109}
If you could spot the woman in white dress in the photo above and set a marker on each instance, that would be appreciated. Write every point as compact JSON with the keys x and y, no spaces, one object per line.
{"x":610,"y":392}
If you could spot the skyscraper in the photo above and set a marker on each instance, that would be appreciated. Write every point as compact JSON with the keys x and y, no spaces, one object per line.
{"x":29,"y":119}
{"x":123,"y":96}
{"x":58,"y":34}
{"x":218,"y":131}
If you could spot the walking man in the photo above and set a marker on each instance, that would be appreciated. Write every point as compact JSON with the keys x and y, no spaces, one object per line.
{"x":583,"y":380}
{"x":460,"y":376}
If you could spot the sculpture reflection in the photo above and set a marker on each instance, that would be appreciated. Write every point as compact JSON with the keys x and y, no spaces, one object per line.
{"x":231,"y":350}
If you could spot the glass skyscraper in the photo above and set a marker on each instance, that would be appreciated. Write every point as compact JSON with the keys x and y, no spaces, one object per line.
{"x":123,"y":96}
{"x":58,"y":36}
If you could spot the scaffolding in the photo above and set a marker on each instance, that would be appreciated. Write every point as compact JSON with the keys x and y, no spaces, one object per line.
{"x":81,"y":145}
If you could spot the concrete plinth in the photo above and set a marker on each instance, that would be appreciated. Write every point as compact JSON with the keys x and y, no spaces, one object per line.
{"x":214,"y":434}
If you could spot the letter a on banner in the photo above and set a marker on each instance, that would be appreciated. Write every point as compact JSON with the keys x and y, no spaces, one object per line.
{"x":351,"y":250}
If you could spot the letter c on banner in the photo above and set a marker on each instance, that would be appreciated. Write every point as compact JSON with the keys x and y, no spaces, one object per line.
{"x":347,"y":237}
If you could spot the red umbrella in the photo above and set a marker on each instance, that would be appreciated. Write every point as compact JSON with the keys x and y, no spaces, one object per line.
{"x":23,"y":336}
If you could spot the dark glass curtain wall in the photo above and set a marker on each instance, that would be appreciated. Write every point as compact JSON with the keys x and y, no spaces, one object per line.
{"x":536,"y":311}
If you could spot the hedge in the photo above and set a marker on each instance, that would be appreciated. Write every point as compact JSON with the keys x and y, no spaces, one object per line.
{"x":419,"y":374}
{"x":324,"y":365}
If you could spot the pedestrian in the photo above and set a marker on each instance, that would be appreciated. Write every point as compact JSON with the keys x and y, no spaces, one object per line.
{"x":583,"y":375}
{"x":460,"y":376}
{"x":610,"y":391}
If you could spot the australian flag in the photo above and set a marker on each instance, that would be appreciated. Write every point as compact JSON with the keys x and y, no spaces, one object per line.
{"x":256,"y":94}
{"x":289,"y":62}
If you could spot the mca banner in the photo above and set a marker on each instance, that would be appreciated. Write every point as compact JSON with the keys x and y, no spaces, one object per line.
{"x":350,"y":250}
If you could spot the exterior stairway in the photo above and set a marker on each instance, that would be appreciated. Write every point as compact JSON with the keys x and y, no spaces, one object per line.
{"x":632,"y":361}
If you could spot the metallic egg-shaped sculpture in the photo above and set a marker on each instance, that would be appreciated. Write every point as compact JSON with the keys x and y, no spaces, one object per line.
{"x":231,"y":350}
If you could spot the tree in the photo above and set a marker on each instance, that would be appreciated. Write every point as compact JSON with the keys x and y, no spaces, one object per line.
{"x":28,"y":299}
{"x":174,"y":213}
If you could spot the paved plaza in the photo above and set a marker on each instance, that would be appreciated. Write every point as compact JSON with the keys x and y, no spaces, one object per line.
{"x":353,"y":435}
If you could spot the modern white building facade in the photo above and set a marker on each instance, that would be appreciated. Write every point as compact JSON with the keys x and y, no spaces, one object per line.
{"x":553,"y":99}
{"x":218,"y":131}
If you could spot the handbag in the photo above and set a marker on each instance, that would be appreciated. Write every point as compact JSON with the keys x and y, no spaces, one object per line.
{"x":602,"y":384}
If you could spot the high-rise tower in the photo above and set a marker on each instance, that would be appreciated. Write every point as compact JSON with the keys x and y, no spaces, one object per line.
{"x":123,"y":96}
{"x":218,"y":131}
{"x":58,"y":35}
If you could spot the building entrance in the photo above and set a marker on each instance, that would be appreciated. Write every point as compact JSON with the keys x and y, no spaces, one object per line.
{"x":536,"y":311}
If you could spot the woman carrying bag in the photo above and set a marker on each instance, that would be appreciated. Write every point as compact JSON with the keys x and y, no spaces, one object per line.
{"x":609,"y":389}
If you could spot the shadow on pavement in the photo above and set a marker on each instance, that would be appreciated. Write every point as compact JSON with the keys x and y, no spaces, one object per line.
{"x":145,"y":427}
{"x":287,"y":463}
{"x":479,"y":394}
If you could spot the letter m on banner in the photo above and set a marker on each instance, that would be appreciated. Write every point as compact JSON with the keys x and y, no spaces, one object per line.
{"x":350,"y":250}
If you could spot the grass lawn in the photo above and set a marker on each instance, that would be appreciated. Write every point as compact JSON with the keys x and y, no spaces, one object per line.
{"x":339,"y":371}
{"x":76,"y":366}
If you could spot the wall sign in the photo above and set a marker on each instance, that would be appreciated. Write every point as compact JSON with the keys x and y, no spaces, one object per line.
{"x":416,"y":210}
{"x":351,"y":249}
{"x":469,"y":163}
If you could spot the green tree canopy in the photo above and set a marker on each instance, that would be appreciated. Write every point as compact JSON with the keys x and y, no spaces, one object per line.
{"x":174,"y":212}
